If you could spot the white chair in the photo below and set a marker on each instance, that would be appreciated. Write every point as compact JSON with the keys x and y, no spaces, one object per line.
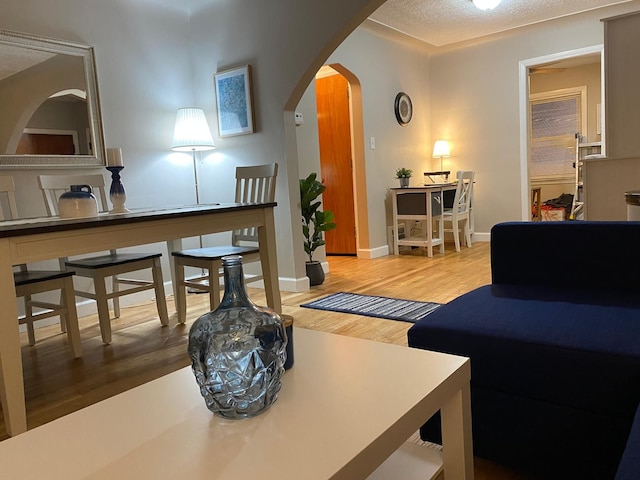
{"x":29,"y":283}
{"x":460,"y":214}
{"x":254,"y":184}
{"x":102,"y":267}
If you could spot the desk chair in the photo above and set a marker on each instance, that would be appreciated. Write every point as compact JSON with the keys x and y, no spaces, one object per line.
{"x":102,"y":267}
{"x":461,"y":210}
{"x":254,"y":184}
{"x":29,"y":283}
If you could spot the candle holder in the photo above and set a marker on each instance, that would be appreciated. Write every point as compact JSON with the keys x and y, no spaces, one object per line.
{"x":117,"y":194}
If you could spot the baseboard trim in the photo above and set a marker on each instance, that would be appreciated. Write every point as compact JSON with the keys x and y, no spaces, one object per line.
{"x":377,"y":252}
{"x":481,"y":237}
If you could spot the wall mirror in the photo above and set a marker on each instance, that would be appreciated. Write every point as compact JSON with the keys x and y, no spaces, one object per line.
{"x":50,"y":113}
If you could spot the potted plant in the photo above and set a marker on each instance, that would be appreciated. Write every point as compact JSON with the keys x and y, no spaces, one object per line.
{"x":404,"y":174}
{"x":314,"y":223}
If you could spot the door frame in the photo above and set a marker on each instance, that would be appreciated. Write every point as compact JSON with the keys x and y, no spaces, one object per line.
{"x":524,"y":67}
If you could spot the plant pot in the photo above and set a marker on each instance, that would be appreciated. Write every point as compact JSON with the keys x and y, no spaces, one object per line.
{"x":315,"y":273}
{"x":404,"y":182}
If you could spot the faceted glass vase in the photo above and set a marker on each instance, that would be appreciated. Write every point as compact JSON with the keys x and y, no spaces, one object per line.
{"x":238,"y":351}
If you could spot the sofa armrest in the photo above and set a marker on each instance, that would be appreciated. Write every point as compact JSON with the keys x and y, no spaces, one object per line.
{"x":572,"y":254}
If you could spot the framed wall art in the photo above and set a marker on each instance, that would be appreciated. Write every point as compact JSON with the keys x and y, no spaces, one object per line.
{"x":235,"y":101}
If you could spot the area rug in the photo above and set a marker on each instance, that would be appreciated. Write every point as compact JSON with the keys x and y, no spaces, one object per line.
{"x":372,"y":306}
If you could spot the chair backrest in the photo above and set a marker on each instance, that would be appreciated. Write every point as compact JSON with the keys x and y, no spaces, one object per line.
{"x":8,"y":188}
{"x":52,"y":186}
{"x":254,"y":184}
{"x":464,"y":192}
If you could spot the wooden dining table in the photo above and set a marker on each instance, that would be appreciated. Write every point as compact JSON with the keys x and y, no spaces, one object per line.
{"x":37,"y":239}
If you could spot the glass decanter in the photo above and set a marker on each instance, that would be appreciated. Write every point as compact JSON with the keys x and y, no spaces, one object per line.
{"x":238,"y":350}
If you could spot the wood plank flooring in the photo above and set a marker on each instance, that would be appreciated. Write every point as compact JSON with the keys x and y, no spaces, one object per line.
{"x":142,"y":350}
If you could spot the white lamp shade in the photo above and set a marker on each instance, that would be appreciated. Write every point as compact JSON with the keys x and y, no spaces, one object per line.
{"x":486,"y":4}
{"x":441,"y":149}
{"x":192,"y":131}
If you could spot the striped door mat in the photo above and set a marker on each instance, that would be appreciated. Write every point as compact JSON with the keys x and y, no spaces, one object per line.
{"x":373,"y":306}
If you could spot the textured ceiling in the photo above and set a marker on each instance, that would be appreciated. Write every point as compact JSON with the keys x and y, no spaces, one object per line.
{"x":442,"y":22}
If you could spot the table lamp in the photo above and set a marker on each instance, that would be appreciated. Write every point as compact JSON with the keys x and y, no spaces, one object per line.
{"x":192,"y":134}
{"x":440,"y":150}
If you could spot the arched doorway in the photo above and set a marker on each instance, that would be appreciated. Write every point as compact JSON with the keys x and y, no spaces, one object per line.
{"x":334,"y":140}
{"x":342,"y":167}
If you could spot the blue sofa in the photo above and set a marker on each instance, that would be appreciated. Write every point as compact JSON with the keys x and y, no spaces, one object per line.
{"x":554,"y":343}
{"x":629,"y":467}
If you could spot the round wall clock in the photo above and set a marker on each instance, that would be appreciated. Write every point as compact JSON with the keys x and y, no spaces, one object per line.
{"x":403,"y":108}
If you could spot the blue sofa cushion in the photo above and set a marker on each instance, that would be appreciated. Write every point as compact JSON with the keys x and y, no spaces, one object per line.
{"x":573,"y":348}
{"x":587,"y":255}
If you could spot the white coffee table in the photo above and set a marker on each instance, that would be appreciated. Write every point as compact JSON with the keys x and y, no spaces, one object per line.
{"x":345,"y":406}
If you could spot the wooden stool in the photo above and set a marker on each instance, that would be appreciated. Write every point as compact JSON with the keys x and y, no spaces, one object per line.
{"x":535,"y":202}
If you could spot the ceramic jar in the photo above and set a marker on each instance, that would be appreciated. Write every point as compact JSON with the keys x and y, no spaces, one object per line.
{"x":78,"y":202}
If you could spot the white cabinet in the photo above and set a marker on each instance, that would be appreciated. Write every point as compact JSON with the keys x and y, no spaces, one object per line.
{"x":584,"y":151}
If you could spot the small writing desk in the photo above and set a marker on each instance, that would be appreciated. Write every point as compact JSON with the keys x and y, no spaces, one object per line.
{"x":345,"y":406}
{"x":424,"y":204}
{"x":31,"y":240}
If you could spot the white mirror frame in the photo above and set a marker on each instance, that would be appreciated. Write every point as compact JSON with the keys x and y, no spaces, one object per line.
{"x":97,"y":159}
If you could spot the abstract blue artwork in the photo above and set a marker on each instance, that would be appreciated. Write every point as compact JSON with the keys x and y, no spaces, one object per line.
{"x":233,"y":95}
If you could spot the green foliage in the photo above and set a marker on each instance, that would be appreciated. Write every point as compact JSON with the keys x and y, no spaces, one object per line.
{"x":403,"y":173}
{"x":314,"y":220}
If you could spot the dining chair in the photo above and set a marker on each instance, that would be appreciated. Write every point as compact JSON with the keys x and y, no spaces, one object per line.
{"x":254,"y":184}
{"x":460,"y":213}
{"x":103,"y":267}
{"x":31,"y":282}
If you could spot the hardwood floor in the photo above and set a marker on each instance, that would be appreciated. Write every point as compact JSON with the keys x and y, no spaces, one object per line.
{"x":142,"y":350}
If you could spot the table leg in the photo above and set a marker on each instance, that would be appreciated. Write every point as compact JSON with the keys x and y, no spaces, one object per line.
{"x":396,"y":237}
{"x":441,"y":226}
{"x":428,"y":225}
{"x":173,"y":246}
{"x":12,"y":381}
{"x":457,"y":445}
{"x":269,"y":260}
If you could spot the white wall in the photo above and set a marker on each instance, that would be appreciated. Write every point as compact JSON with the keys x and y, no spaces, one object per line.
{"x":383,"y":68}
{"x":476,"y":105}
{"x":143,"y":68}
{"x":471,"y":96}
{"x":152,"y":61}
{"x":285,"y":42}
{"x":144,"y":75}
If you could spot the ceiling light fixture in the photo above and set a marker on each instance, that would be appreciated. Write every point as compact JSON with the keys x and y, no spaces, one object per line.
{"x":486,"y":4}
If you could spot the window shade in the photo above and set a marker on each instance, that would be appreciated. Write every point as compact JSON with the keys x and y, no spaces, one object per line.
{"x":554,"y":124}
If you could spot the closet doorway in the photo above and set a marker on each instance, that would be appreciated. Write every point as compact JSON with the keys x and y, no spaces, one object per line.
{"x":333,"y":101}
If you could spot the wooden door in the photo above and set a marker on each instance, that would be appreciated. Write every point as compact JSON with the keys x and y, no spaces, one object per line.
{"x":45,"y":144}
{"x":334,"y":132}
